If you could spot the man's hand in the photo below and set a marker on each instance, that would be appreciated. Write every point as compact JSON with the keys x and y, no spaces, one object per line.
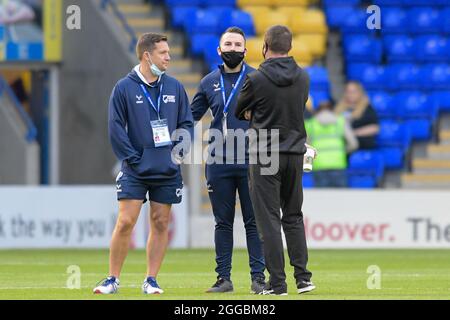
{"x":312,"y":148}
{"x":248,"y":115}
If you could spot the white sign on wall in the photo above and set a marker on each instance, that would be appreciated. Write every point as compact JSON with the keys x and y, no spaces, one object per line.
{"x":73,"y":217}
{"x":360,"y":219}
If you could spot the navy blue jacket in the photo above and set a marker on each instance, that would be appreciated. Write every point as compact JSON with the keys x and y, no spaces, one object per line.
{"x":209,"y":96}
{"x":130,"y":131}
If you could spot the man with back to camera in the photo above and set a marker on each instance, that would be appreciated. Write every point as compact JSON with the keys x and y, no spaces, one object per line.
{"x":274,"y":97}
{"x":146,"y":108}
{"x":218,"y":92}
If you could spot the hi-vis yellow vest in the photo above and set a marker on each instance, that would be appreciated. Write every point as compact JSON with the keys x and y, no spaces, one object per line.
{"x":329,"y":140}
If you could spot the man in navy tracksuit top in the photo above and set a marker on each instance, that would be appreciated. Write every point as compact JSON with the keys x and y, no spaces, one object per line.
{"x":147,"y":109}
{"x":218,"y":92}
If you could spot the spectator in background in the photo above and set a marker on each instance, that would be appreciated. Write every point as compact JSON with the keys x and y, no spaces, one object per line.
{"x":333,"y":137}
{"x":356,"y":107}
{"x":13,"y":11}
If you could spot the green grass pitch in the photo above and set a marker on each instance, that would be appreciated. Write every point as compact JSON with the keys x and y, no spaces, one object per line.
{"x":338,"y":274}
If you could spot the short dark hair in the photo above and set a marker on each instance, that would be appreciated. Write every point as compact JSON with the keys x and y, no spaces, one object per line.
{"x":234,"y":30}
{"x":278,"y":39}
{"x":147,"y":42}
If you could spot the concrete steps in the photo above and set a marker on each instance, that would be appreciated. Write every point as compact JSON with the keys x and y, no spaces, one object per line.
{"x":444,"y":137}
{"x":146,"y":22}
{"x":134,"y":8}
{"x":431,"y":165}
{"x":431,"y":170}
{"x":426,"y":181}
{"x":143,"y":18}
{"x":439,"y":151}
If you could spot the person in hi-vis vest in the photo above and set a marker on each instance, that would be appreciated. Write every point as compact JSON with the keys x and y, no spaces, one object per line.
{"x":333,"y":138}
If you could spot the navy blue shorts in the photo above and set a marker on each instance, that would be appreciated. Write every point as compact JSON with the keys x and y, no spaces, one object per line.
{"x":129,"y":187}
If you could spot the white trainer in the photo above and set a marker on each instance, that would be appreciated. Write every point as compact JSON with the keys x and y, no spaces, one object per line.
{"x":109,"y":286}
{"x":150,"y":286}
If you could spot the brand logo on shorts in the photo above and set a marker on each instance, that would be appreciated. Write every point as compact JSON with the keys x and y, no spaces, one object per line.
{"x":178,"y":192}
{"x":168,"y":99}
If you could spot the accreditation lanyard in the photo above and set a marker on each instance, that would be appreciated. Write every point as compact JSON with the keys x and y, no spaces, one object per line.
{"x":156,"y":107}
{"x":230,"y":98}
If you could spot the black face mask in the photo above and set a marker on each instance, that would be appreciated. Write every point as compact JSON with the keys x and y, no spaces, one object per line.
{"x":232,"y":58}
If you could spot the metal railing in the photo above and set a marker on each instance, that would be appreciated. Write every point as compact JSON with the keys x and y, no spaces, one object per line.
{"x":123,"y":20}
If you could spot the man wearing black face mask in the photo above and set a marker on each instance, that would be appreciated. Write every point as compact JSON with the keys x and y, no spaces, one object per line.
{"x":226,"y":170}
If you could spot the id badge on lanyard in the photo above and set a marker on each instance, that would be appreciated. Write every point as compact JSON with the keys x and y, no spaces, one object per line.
{"x":160,"y":127}
{"x":161,"y":135}
{"x":228,"y":102}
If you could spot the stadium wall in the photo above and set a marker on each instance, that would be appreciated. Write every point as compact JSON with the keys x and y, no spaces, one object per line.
{"x":94,"y":59}
{"x":84,"y":217}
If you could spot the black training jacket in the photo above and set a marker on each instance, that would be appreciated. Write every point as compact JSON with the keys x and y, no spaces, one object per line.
{"x":276,"y":94}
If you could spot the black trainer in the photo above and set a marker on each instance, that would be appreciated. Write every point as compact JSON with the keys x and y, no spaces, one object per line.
{"x":221,"y":286}
{"x":305,"y":286}
{"x":268,"y":290}
{"x":258,"y":285}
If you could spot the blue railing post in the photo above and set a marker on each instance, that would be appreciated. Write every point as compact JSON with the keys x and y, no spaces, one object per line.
{"x":104,"y":4}
{"x":31,"y":128}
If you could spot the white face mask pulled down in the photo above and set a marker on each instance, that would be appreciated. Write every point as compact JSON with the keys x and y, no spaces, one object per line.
{"x":154,"y":68}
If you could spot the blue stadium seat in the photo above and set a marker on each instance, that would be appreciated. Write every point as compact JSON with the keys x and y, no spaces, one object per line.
{"x":388,"y":2}
{"x":372,"y":76}
{"x":381,"y":101}
{"x":423,"y":20}
{"x":394,"y":141}
{"x":431,"y":3}
{"x":436,"y":76}
{"x":418,"y":111}
{"x":415,"y":104}
{"x":442,"y":99}
{"x":362,"y":48}
{"x":199,"y":41}
{"x":318,"y":78}
{"x":393,"y":20}
{"x":337,"y":15}
{"x":445,"y":16}
{"x":237,"y":18}
{"x":179,"y":15}
{"x":188,"y":3}
{"x":394,"y":157}
{"x":399,"y":48}
{"x":421,"y":129}
{"x":356,"y":22}
{"x":212,"y":59}
{"x":204,"y":21}
{"x":308,"y":180}
{"x":224,"y":3}
{"x":403,"y":76}
{"x":366,"y":169}
{"x":432,"y":48}
{"x":318,"y":97}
